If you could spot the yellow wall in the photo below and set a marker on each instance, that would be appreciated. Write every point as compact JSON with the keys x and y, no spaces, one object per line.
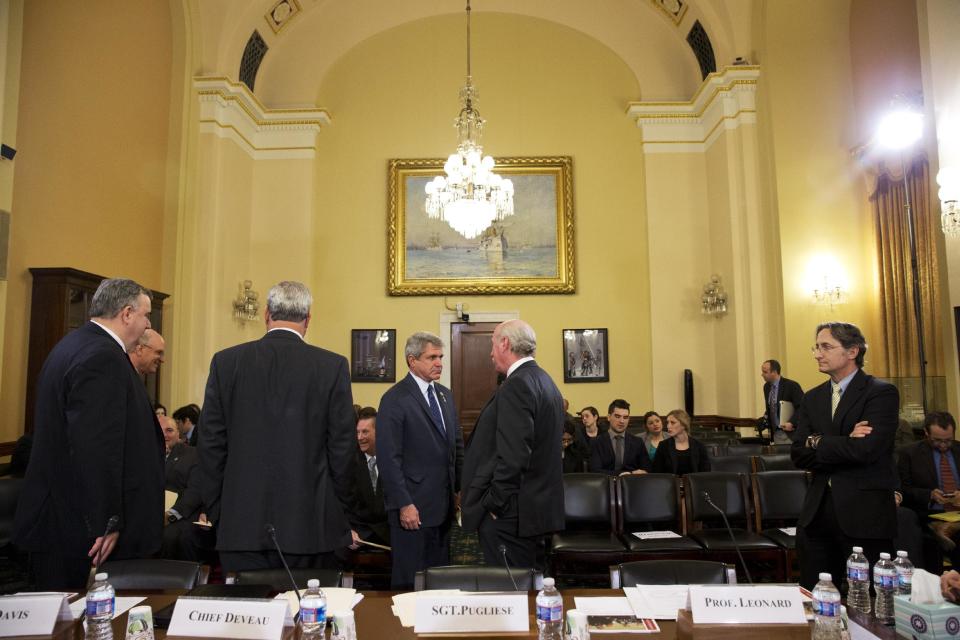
{"x":91,"y":164}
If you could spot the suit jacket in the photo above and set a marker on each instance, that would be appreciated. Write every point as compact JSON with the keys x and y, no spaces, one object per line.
{"x":919,"y":476}
{"x":419,"y":461}
{"x":179,"y":471}
{"x":512,"y":465}
{"x":603,"y":459}
{"x":277,"y":445}
{"x":860,"y":470}
{"x":788,"y":391}
{"x":369,"y":514}
{"x":97,"y":452}
{"x":667,"y":459}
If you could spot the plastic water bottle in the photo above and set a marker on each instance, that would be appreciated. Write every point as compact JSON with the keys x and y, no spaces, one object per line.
{"x":827,"y":623}
{"x":904,"y":573}
{"x":313,"y":611}
{"x":884,"y":584}
{"x":101,"y":599}
{"x":549,"y":612}
{"x":858,"y":581}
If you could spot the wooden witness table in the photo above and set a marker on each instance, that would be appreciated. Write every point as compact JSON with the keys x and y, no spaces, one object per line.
{"x":375,"y":620}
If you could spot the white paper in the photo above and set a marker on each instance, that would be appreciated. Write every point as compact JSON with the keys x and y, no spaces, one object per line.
{"x":405,"y":604}
{"x":603,"y":606}
{"x":859,"y":633}
{"x":121,"y":605}
{"x":653,"y":535}
{"x":65,"y":612}
{"x":786,"y":411}
{"x":338,"y":599}
{"x":241,"y":618}
{"x":790,"y":531}
{"x":31,"y":614}
{"x":658,"y":601}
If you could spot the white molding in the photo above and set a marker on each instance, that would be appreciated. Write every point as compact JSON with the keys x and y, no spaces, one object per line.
{"x":230,"y":110}
{"x":447,"y":320}
{"x":724,"y":101}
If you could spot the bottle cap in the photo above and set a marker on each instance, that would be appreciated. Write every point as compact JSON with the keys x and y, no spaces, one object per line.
{"x":100,"y":577}
{"x":826,"y":577}
{"x":548,"y":582}
{"x":884,"y":556}
{"x":858,"y":549}
{"x":313,"y":583}
{"x":901,"y":554}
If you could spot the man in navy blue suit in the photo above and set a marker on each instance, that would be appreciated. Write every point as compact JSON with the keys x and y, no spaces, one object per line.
{"x":617,"y":452}
{"x":420,"y":449}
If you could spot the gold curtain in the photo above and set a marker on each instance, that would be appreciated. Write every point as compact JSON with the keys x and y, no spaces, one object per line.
{"x":899,"y":352}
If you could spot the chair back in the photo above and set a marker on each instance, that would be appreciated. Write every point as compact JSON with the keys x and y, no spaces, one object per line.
{"x":714,"y":449}
{"x":477,"y":578}
{"x":753,"y":449}
{"x":280,"y":581}
{"x":629,"y":574}
{"x":649,"y":498}
{"x":9,"y":494}
{"x":726,"y":490}
{"x":775,"y":462}
{"x":588,"y":501}
{"x":735,"y":464}
{"x":152,"y":573}
{"x":779,"y":495}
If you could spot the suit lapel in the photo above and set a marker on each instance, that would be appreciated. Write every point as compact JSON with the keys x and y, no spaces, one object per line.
{"x":847,"y":399}
{"x":414,"y":389}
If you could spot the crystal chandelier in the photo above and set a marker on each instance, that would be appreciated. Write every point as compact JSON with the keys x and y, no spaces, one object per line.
{"x":470,"y":197}
{"x":949,"y":180}
{"x":713,"y":302}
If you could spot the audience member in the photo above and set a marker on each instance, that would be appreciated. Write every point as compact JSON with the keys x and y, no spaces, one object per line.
{"x":653,"y":434}
{"x":617,"y":452}
{"x":777,"y":389}
{"x":369,"y":518}
{"x":159,"y":409}
{"x":573,"y":459}
{"x":591,"y":427}
{"x":187,"y":418}
{"x":845,"y":432}
{"x":421,"y":456}
{"x":97,"y":452}
{"x":147,"y":354}
{"x":681,"y":453}
{"x":181,"y":460}
{"x":277,"y":444}
{"x":512,"y":473}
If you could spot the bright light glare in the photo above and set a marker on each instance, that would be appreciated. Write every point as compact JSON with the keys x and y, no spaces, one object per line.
{"x":900,"y":129}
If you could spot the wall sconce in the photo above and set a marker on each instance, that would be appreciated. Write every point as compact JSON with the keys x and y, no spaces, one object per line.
{"x":949,"y":180}
{"x":830,"y":293}
{"x":247,"y":304}
{"x":713,"y":302}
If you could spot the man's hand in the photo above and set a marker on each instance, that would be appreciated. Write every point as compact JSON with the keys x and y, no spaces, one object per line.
{"x":938,"y":497}
{"x":861,"y":430}
{"x":787,"y":426}
{"x":410,"y":517}
{"x":356,"y":540}
{"x":103,"y":547}
{"x":950,"y":585}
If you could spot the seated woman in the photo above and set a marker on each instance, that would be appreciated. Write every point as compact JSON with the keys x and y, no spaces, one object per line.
{"x":591,"y":428}
{"x":680,"y":454}
{"x":654,"y":434}
{"x":573,"y":458}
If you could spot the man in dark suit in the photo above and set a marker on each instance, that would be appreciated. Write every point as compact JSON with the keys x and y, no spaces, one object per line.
{"x":369,"y":517}
{"x":616,"y":452}
{"x":845,"y":435}
{"x":277,"y":444}
{"x":97,"y":450}
{"x":179,"y":466}
{"x":777,"y":389}
{"x":421,"y":455}
{"x":187,"y":418}
{"x":513,"y":470}
{"x":147,"y":353}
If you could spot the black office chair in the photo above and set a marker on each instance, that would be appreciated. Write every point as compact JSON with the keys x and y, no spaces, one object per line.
{"x":629,"y":574}
{"x":733,"y":463}
{"x":152,"y":574}
{"x":752,"y":449}
{"x":651,"y":502}
{"x":477,"y":578}
{"x":280,"y":581}
{"x":778,"y":496}
{"x":775,"y":462}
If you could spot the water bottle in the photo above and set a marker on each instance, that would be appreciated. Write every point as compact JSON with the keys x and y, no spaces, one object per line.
{"x":884,"y":584}
{"x":101,"y":599}
{"x":858,"y":581}
{"x":827,"y":623}
{"x":904,"y":573}
{"x":549,"y":612}
{"x":313,"y":611}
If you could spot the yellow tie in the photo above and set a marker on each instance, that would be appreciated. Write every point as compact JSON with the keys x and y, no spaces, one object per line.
{"x":835,"y":399}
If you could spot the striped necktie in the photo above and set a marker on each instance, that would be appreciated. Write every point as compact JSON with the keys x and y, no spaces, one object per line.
{"x":834,"y":399}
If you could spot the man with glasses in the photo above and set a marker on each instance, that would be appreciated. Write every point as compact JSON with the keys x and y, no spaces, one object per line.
{"x":147,"y":354}
{"x":845,"y":437}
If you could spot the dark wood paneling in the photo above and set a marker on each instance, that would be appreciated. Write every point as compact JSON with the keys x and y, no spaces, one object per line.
{"x":472,"y":376}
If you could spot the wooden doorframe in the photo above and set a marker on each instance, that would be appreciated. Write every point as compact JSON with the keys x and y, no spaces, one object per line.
{"x":447,"y":320}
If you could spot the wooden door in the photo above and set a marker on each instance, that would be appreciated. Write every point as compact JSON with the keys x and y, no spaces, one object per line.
{"x":472,"y":376}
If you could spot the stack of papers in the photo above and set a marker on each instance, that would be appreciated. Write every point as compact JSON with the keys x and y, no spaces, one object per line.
{"x":405,"y":604}
{"x":659,"y":601}
{"x":338,"y":599}
{"x":653,"y":535}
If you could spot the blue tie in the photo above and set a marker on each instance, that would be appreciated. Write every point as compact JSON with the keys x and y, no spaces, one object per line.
{"x":435,"y":409}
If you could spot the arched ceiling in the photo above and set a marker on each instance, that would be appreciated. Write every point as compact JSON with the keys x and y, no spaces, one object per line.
{"x":638,"y":31}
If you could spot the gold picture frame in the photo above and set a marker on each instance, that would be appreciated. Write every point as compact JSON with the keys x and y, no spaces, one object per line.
{"x":536,"y":255}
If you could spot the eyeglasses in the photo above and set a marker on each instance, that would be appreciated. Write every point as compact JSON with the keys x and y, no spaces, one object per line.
{"x":824,"y":347}
{"x":941,"y":442}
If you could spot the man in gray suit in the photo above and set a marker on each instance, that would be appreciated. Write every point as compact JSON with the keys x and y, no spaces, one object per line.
{"x":513,"y":468}
{"x":277,"y":444}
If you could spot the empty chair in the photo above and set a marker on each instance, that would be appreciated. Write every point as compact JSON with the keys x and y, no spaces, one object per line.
{"x":778,"y":497}
{"x":280,"y":581}
{"x":651,"y":502}
{"x":775,"y":462}
{"x":779,"y":449}
{"x":478,"y":578}
{"x":152,"y":574}
{"x":589,"y":544}
{"x":715,"y":449}
{"x":753,"y":449}
{"x":734,"y":464}
{"x":629,"y":574}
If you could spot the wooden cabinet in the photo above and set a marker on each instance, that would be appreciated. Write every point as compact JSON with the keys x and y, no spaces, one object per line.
{"x":61,"y":303}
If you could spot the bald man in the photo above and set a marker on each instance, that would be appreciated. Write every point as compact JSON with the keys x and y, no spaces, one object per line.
{"x":147,"y":354}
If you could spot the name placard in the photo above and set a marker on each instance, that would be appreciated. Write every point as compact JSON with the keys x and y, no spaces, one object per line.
{"x":244,"y":618}
{"x":31,"y":615}
{"x":738,"y":604}
{"x":488,"y":612}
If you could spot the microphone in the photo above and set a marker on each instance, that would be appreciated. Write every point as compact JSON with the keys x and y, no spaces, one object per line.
{"x":706,"y":496}
{"x":506,"y":563}
{"x":111,"y":525}
{"x":272,"y":532}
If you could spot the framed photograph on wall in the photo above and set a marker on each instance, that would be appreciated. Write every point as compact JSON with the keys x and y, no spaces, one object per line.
{"x":585,"y":355}
{"x":373,"y":355}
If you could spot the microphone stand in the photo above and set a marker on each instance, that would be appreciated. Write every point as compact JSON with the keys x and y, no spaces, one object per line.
{"x":706,"y":496}
{"x":272,"y":532}
{"x":506,"y":563}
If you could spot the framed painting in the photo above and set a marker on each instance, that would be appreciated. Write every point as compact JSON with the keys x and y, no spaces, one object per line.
{"x":586,"y":357}
{"x":530,"y":251}
{"x":373,"y":355}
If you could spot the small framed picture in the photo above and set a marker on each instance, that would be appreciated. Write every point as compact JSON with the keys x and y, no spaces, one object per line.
{"x":585,"y":355}
{"x":373,"y":355}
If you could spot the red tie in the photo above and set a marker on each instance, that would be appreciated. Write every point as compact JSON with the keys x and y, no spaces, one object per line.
{"x":947,"y":480}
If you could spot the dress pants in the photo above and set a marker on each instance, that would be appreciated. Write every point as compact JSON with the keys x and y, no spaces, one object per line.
{"x":522,"y":552}
{"x":56,"y":572}
{"x":415,"y":550}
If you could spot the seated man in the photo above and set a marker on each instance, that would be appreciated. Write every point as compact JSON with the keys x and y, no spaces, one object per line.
{"x":187,"y":418}
{"x":369,"y":517}
{"x":179,"y":468}
{"x":616,"y":452}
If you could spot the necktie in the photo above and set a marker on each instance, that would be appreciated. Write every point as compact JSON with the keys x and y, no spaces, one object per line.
{"x":834,"y":399}
{"x":372,"y":467}
{"x":435,"y":409}
{"x":948,"y":483}
{"x":618,"y":452}
{"x":772,"y":401}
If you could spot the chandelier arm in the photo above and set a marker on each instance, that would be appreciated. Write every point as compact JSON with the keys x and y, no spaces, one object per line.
{"x":468,"y":38}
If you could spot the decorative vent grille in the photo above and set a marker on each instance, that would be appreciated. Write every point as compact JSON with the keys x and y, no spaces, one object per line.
{"x":252,"y":57}
{"x":699,"y":41}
